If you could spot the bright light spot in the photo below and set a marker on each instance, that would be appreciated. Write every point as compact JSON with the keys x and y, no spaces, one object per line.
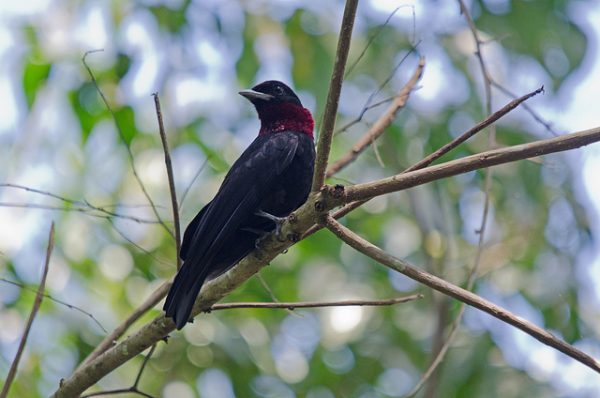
{"x":291,"y":365}
{"x":441,"y":85}
{"x":152,"y":167}
{"x":141,"y":37}
{"x":8,"y":104}
{"x":543,"y":362}
{"x":387,"y":7}
{"x":11,"y":239}
{"x":345,"y":319}
{"x":215,"y":383}
{"x":137,"y":287}
{"x":59,"y":273}
{"x":7,"y":40}
{"x":209,"y":54}
{"x":201,"y":334}
{"x":394,"y":382}
{"x":22,"y":8}
{"x":92,"y":30}
{"x":402,"y":237}
{"x":178,"y":389}
{"x":11,"y":325}
{"x":115,"y":262}
{"x":254,"y":332}
{"x":76,"y":231}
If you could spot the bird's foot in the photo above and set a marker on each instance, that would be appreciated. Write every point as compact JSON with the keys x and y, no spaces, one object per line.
{"x":258,"y":242}
{"x":277,"y":220}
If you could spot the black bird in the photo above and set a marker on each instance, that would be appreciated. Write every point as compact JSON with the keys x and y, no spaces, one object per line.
{"x":271,"y":179}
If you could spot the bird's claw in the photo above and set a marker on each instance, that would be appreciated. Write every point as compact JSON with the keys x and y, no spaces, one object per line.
{"x":277,"y":220}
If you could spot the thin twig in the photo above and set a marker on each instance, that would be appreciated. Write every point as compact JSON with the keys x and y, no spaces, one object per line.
{"x":136,"y":245}
{"x":381,"y":124}
{"x":117,"y":392}
{"x":333,"y":97}
{"x":373,"y":37}
{"x":49,"y":297}
{"x":187,"y":189}
{"x":171,"y":178}
{"x":547,"y":125}
{"x":84,"y":210}
{"x":34,"y":310}
{"x":134,"y":388}
{"x":112,"y":338}
{"x":317,"y":304}
{"x":368,"y":106}
{"x":465,"y":296}
{"x":473,"y":130}
{"x":122,"y":135}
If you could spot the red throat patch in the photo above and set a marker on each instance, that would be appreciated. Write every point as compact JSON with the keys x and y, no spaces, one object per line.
{"x":285,"y":117}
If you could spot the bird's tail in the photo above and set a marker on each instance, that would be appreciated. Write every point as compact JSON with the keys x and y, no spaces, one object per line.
{"x":182,"y":295}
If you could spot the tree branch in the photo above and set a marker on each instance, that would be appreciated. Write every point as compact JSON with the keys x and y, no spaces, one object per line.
{"x":111,"y":340}
{"x":380,"y":125}
{"x":481,"y":160}
{"x":172,"y":191}
{"x":465,"y":296}
{"x":333,"y":97}
{"x":474,"y":130}
{"x":317,"y":304}
{"x":34,"y":310}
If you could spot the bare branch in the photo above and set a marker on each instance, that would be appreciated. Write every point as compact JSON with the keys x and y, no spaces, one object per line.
{"x":317,"y":304}
{"x":373,"y":37}
{"x":64,"y":303}
{"x":481,"y":160}
{"x":368,"y":106}
{"x":474,"y":130}
{"x":122,"y":135}
{"x":547,"y":125}
{"x":34,"y":310}
{"x":381,"y":124}
{"x":187,"y":189}
{"x":465,"y":296}
{"x":171,"y":178}
{"x":111,"y":340}
{"x":333,"y":97}
{"x":134,"y":388}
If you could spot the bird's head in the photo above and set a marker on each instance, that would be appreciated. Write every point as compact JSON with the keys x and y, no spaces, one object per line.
{"x":279,"y":108}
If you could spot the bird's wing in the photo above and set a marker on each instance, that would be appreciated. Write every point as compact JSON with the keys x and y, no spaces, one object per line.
{"x":247,"y":184}
{"x":189,"y":232}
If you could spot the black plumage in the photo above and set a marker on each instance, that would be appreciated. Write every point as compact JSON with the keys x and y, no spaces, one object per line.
{"x":273,"y":175}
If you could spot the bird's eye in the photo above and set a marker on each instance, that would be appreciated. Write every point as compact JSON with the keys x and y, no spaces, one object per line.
{"x":279,"y":90}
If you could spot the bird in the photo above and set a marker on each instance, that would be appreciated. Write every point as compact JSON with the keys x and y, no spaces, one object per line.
{"x":269,"y":180}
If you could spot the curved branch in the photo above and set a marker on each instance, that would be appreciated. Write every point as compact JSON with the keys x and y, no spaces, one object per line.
{"x":381,"y":124}
{"x":465,"y":296}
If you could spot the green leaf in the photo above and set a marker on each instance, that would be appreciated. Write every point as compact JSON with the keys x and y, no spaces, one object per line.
{"x":34,"y":77}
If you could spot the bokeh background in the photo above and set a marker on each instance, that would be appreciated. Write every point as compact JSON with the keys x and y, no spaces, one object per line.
{"x":540,"y":259}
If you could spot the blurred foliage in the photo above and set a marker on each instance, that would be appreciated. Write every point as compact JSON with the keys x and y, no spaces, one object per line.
{"x":196,"y":55}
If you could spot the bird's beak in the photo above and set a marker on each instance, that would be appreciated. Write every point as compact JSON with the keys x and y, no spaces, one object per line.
{"x":252,"y":95}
